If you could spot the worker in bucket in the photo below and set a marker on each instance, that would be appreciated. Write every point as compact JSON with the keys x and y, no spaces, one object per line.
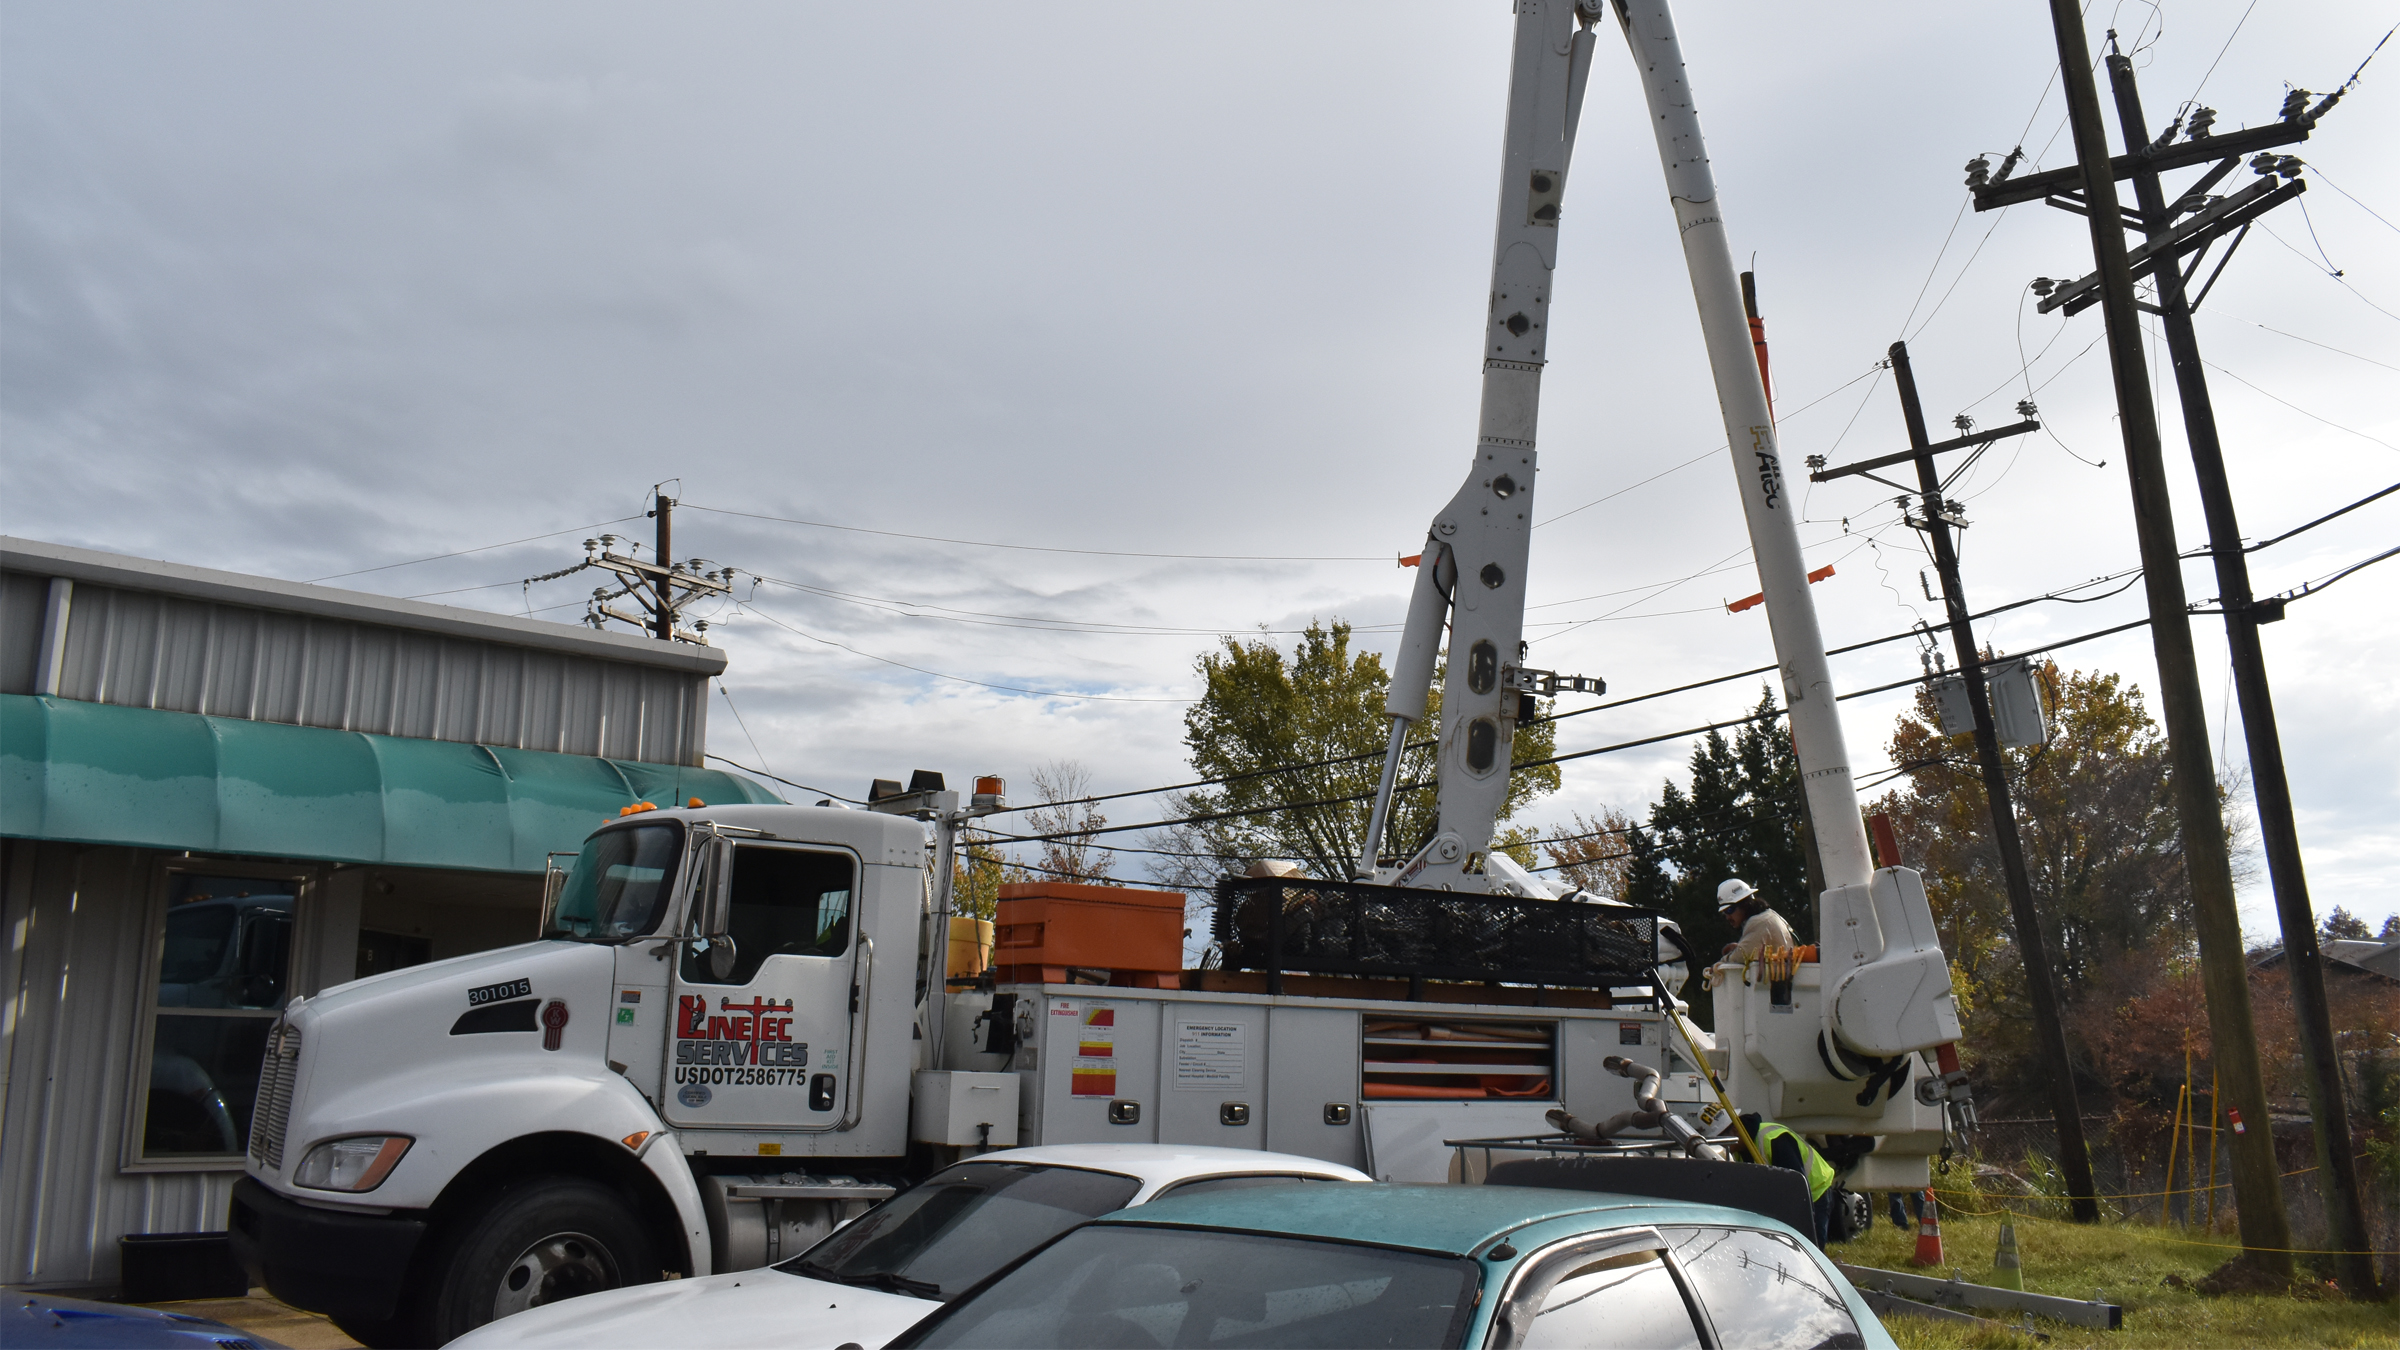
{"x":1789,"y":1151}
{"x":1741,"y":905}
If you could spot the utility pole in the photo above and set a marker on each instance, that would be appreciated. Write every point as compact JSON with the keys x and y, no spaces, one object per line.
{"x":664,"y":623}
{"x":2328,"y":1098}
{"x":2041,"y":987}
{"x":2265,"y":1230}
{"x":661,"y":588}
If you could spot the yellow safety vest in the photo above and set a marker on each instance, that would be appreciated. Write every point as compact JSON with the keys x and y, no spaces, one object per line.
{"x":1819,"y":1172}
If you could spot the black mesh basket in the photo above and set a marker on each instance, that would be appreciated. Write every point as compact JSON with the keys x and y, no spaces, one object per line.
{"x":1281,"y":924}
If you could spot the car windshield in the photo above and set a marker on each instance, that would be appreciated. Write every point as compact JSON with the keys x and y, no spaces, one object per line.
{"x":619,"y":884}
{"x":943,"y":1236}
{"x":1130,"y":1284}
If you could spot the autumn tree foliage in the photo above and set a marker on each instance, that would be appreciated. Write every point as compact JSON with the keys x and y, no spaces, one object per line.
{"x":1060,"y":788}
{"x":1596,"y":853}
{"x":1265,"y":722}
{"x":1062,"y":785}
{"x":2103,"y":854}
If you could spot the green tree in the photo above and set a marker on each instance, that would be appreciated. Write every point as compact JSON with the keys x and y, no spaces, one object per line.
{"x":1262,"y":711}
{"x":982,"y":871}
{"x":2341,"y":923}
{"x":1741,"y":818}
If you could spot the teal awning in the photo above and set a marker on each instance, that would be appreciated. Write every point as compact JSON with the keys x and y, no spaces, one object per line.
{"x":99,"y":774}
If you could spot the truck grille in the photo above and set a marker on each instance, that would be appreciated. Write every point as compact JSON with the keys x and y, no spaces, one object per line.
{"x":273,"y":1110}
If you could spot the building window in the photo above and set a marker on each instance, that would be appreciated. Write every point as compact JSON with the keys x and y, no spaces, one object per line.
{"x":223,"y":973}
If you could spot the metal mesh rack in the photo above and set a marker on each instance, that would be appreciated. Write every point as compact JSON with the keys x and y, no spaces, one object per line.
{"x":1280,"y":924}
{"x":1561,"y":1146}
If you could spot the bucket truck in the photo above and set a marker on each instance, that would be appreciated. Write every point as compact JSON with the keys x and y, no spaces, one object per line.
{"x":1860,"y":1046}
{"x":736,"y":1026}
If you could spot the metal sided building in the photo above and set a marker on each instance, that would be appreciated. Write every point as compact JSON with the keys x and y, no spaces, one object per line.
{"x":219,"y":792}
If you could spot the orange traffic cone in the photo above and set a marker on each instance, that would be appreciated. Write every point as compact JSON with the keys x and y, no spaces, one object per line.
{"x":1929,"y":1235}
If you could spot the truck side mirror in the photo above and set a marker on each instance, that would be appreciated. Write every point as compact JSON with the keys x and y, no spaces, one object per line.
{"x":554,"y":881}
{"x":712,"y":899}
{"x":722,"y":956}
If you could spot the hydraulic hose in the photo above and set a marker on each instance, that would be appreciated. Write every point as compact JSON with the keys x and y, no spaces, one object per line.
{"x":1650,"y":1113}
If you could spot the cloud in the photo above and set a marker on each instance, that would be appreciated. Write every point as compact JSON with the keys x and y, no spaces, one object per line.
{"x":303,"y":291}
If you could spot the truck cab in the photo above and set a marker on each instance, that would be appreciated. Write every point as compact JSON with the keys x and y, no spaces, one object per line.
{"x":449,"y":1143}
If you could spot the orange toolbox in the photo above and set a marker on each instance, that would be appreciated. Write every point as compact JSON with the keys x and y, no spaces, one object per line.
{"x":1049,"y":931}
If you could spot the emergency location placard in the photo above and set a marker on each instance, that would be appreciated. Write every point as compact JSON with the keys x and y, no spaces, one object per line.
{"x":1211,"y":1055}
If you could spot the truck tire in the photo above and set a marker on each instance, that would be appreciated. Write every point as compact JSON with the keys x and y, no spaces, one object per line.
{"x":1852,"y":1216}
{"x":538,"y":1242}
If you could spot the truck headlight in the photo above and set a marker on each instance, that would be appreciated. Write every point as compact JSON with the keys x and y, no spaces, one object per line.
{"x":359,"y":1163}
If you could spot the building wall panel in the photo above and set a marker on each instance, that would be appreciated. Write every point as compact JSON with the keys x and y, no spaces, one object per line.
{"x":23,"y":601}
{"x":186,"y":655}
{"x":72,"y":1028}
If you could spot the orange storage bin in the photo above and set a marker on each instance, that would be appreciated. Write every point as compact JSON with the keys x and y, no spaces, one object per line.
{"x":1057,"y":925}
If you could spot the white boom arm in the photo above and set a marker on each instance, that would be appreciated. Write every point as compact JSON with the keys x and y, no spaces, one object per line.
{"x":1882,"y":984}
{"x":1472,"y":571}
{"x":1887,"y":983}
{"x":1880,"y":994}
{"x":1750,"y":431}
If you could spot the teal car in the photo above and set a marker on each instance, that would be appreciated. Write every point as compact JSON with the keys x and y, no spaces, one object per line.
{"x":1446,"y":1266}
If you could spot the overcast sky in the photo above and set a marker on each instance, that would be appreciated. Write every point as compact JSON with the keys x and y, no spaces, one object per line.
{"x":301,"y":290}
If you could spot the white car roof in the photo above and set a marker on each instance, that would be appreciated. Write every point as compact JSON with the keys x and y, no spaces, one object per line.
{"x":1158,"y":1165}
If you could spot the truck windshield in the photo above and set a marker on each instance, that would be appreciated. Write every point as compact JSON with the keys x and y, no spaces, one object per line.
{"x":942,"y":1237}
{"x":619,"y":885}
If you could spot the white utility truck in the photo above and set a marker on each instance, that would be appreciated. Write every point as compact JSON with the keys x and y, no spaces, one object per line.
{"x":736,"y":1028}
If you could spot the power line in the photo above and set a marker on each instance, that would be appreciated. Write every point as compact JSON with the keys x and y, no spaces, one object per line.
{"x":462,"y":590}
{"x":739,"y":722}
{"x":1034,"y":548}
{"x":761,"y":773}
{"x":2362,"y":65}
{"x":2302,"y":529}
{"x":2328,"y":270}
{"x":2311,"y":588}
{"x":2229,"y":37}
{"x":2297,"y":408}
{"x":1703,"y":729}
{"x":2319,"y":171}
{"x":1939,"y":254}
{"x":1560,"y":717}
{"x":1713,"y":450}
{"x":1963,"y":269}
{"x":2312,"y":342}
{"x":1709,"y":453}
{"x":486,"y":548}
{"x":2062,"y":595}
{"x":1274,"y":809}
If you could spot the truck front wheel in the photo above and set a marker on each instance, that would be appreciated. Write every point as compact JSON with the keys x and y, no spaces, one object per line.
{"x":536,"y":1243}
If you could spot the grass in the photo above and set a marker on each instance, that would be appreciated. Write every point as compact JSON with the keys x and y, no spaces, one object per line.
{"x":2129,"y":1264}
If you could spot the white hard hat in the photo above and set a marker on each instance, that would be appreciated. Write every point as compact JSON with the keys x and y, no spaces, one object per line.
{"x":1733,"y":892}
